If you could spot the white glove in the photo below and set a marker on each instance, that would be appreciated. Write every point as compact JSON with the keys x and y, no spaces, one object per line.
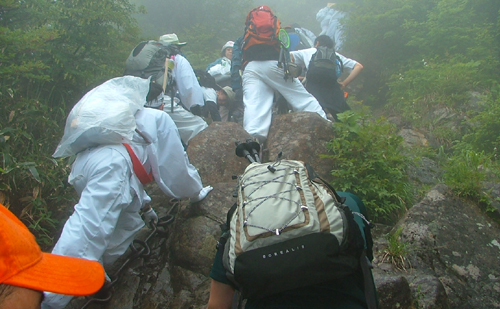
{"x":150,"y":216}
{"x":203,"y":193}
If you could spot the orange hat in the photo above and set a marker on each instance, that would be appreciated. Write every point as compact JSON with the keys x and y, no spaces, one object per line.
{"x":23,"y":264}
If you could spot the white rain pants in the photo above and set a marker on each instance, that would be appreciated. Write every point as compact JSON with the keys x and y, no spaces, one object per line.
{"x":260,"y":80}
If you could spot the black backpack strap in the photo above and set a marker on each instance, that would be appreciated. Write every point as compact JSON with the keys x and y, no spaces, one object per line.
{"x":369,"y":284}
{"x":225,"y":228}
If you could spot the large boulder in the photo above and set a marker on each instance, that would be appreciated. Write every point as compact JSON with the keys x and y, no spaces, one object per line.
{"x":454,"y":253}
{"x":301,"y":136}
{"x":453,"y":261}
{"x":212,"y":151}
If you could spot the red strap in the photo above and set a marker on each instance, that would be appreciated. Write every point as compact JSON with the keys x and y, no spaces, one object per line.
{"x":139,"y":169}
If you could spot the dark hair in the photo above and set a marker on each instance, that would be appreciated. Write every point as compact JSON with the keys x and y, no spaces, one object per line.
{"x":154,"y":91}
{"x":205,"y":79}
{"x":324,"y":40}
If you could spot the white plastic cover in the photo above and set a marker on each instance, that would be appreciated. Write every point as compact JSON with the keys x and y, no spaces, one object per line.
{"x":105,"y":115}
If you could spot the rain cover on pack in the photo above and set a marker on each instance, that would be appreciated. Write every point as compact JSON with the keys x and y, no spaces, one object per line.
{"x":105,"y":115}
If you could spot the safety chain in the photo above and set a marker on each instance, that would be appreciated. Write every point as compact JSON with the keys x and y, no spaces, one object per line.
{"x":140,"y":248}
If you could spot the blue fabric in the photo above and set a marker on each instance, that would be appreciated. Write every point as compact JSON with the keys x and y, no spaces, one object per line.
{"x":236,"y":63}
{"x":294,"y":41}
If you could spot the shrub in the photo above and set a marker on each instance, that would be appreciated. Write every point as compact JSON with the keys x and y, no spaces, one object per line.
{"x":368,"y":161}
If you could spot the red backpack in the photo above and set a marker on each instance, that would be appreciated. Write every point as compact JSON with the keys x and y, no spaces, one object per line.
{"x":261,"y":27}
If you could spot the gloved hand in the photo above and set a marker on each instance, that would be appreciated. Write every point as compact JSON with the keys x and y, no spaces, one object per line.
{"x":203,"y":193}
{"x":150,"y":216}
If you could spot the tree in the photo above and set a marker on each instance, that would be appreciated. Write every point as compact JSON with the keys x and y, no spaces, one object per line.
{"x":52,"y":52}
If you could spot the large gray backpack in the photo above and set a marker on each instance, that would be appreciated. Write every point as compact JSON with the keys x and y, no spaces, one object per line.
{"x":148,"y":59}
{"x":288,"y":229}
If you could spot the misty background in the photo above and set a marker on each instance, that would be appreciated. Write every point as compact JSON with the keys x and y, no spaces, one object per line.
{"x":429,"y":65}
{"x":207,"y":25}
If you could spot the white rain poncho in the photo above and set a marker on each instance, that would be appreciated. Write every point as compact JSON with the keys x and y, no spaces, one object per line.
{"x":106,"y":217}
{"x":104,"y":116}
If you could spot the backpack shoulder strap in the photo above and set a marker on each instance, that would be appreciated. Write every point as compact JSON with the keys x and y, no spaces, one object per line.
{"x":139,"y":169}
{"x":369,"y":284}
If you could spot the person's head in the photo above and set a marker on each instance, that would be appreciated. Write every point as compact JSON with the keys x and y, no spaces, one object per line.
{"x":324,"y":40}
{"x":171,"y":38}
{"x":225,"y":96}
{"x":154,"y":99}
{"x":25,"y":271}
{"x":227,"y":50}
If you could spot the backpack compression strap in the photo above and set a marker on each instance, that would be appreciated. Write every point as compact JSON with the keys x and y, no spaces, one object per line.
{"x":139,"y":169}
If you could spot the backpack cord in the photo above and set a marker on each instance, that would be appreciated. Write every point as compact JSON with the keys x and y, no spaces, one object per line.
{"x":370,"y":225}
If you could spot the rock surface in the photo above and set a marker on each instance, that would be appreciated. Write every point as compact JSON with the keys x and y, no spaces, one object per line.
{"x":454,"y":248}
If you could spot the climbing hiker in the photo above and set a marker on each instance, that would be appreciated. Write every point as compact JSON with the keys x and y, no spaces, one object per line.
{"x":164,"y":63}
{"x":292,"y":241}
{"x":109,"y":178}
{"x":324,"y":67}
{"x":258,"y":57}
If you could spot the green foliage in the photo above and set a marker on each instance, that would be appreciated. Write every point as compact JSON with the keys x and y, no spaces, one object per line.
{"x":368,"y":161}
{"x":396,"y":251}
{"x":485,"y":126}
{"x":52,"y":52}
{"x":465,"y":171}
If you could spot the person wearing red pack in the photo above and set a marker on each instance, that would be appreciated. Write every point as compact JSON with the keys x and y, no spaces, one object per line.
{"x":262,"y":76}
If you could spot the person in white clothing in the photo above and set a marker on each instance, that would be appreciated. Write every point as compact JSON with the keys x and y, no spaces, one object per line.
{"x":189,"y":92}
{"x":260,"y":79}
{"x":328,"y":90}
{"x":220,"y":69}
{"x":107,"y":215}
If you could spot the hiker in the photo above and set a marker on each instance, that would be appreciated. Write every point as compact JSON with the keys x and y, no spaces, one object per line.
{"x":345,"y":292}
{"x":230,"y":108}
{"x":190,"y":92}
{"x":208,"y":86}
{"x":110,"y":178}
{"x":26,"y":271}
{"x":329,"y":18}
{"x":323,"y":82}
{"x":258,"y":58}
{"x":220,"y":69}
{"x":163,"y":61}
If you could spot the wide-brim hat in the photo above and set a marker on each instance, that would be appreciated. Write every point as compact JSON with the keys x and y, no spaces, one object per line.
{"x":23,"y":264}
{"x":231,"y":96}
{"x":171,"y":38}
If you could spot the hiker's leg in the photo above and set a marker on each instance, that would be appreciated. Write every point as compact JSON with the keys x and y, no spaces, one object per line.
{"x":129,"y":223}
{"x":258,"y":100}
{"x":319,"y":92}
{"x":292,"y":90}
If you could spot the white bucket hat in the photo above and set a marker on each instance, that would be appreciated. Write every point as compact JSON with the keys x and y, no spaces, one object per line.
{"x":171,"y":38}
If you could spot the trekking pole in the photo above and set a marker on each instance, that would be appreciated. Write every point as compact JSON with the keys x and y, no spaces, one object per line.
{"x":242,"y":150}
{"x":255,"y":149}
